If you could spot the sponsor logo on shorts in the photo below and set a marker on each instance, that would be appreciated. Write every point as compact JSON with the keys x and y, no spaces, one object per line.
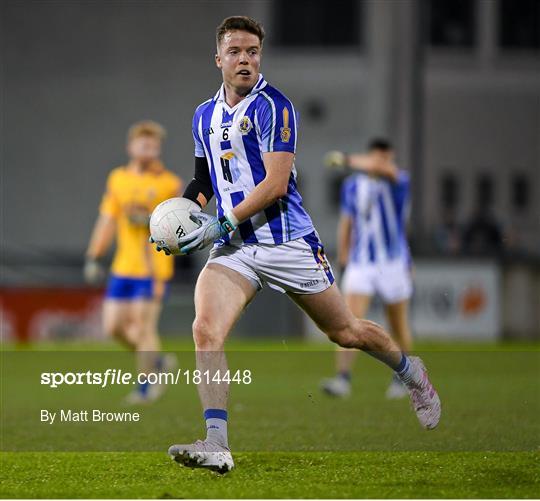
{"x":311,"y":283}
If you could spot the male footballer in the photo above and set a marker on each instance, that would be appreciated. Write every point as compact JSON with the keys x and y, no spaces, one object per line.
{"x":373,"y":250}
{"x":245,"y":143}
{"x":139,"y":276}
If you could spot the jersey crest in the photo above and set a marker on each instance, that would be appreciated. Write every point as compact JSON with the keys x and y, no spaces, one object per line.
{"x":245,"y":125}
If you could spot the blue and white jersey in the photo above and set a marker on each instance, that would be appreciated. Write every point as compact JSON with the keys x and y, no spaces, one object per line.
{"x":379,"y":210}
{"x":233,"y":141}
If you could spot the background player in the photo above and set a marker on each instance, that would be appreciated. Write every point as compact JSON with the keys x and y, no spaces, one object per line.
{"x":373,"y":250}
{"x":139,"y":276}
{"x":245,"y":140}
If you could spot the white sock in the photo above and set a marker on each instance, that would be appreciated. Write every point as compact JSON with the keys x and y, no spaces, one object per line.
{"x":216,"y":426}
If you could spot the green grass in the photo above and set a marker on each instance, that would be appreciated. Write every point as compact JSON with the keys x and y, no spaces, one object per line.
{"x":275,"y":475}
{"x":288,"y":440}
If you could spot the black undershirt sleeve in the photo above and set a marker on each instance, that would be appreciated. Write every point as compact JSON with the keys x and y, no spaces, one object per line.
{"x":201,"y":182}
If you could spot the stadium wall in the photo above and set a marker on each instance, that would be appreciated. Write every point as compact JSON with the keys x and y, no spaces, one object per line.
{"x":476,"y":300}
{"x":76,"y":74}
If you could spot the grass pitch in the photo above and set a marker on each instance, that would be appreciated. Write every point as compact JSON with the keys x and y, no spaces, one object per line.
{"x":288,"y":440}
{"x":274,"y":475}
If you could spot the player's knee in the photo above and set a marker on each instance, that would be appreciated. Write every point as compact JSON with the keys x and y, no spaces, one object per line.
{"x":346,"y":339}
{"x":206,"y":336}
{"x":343,"y":336}
{"x":353,"y":335}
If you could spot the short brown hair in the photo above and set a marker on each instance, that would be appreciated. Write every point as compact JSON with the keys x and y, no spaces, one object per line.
{"x":147,"y":128}
{"x":241,"y":23}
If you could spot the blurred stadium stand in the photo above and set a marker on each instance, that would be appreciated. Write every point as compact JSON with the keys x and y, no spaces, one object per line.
{"x":455,"y":84}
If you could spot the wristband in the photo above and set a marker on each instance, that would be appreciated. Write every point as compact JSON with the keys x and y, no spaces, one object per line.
{"x":228,"y":222}
{"x":232,"y":218}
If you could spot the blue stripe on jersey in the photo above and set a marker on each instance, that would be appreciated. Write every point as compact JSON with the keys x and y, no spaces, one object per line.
{"x":258,"y":172}
{"x":296,"y":216}
{"x":400,"y":192}
{"x":273,"y":214}
{"x":349,"y":207}
{"x":253,"y":152}
{"x":371,"y":250}
{"x":206,"y":119}
{"x":400,"y":196}
{"x":386,"y":231}
{"x":246,"y":228}
{"x":348,"y":194}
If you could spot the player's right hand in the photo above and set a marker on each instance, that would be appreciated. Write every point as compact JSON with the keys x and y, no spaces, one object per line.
{"x":94,"y":272}
{"x":211,"y":229}
{"x":335,"y":160}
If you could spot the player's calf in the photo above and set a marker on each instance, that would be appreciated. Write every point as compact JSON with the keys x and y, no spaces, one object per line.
{"x":371,"y":338}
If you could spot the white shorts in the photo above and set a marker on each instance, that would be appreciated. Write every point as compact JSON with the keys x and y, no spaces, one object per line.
{"x":298,"y":266}
{"x":390,"y":280}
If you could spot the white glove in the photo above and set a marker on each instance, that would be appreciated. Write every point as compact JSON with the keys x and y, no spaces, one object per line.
{"x":211,"y":230}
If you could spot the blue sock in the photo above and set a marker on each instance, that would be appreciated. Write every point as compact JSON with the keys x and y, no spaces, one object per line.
{"x":406,"y":372}
{"x":143,"y":388}
{"x":346,"y":375}
{"x":403,"y":366}
{"x":216,"y":426}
